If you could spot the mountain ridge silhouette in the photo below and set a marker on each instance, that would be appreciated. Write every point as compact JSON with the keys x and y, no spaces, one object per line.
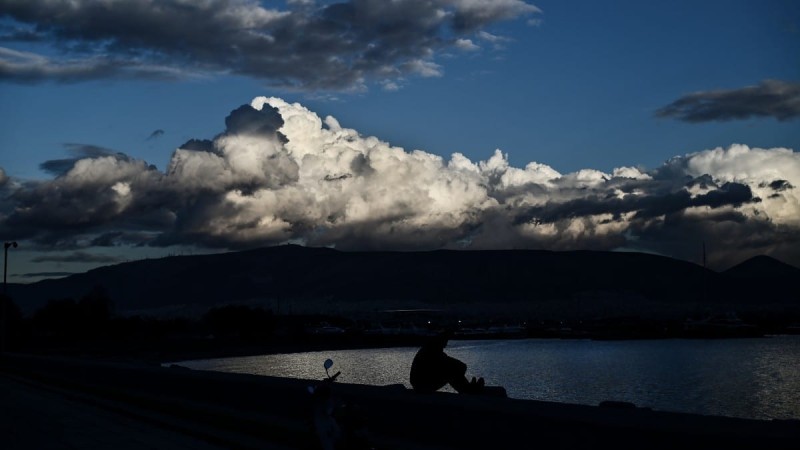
{"x":295,"y":274}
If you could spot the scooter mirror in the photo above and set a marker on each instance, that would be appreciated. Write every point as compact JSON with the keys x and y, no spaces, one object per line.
{"x":328,"y":364}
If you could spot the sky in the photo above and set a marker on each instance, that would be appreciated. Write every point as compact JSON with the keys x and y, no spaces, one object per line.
{"x":136,"y":129}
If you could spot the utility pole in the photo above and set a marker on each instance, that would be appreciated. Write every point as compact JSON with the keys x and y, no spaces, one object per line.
{"x":705,"y":299}
{"x":3,"y":320}
{"x":5,"y":265}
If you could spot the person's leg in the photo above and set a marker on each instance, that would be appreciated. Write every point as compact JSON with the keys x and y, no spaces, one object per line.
{"x":428,"y":372}
{"x":461,"y":385}
{"x":455,"y":372}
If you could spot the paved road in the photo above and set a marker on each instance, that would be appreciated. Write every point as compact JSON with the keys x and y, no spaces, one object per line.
{"x":40,"y":419}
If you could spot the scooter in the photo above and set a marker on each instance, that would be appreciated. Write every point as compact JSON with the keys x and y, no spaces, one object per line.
{"x":336,"y":424}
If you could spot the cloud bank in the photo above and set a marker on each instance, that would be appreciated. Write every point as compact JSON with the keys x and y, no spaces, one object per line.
{"x":77,"y":257}
{"x":279,"y":173}
{"x":347,"y":44}
{"x":44,"y":274}
{"x":770,"y":98}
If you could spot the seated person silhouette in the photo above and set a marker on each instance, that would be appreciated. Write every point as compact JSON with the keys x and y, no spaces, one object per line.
{"x":432,"y":368}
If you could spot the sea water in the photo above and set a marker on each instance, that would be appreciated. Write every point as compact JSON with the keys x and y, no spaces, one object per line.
{"x":751,"y":378}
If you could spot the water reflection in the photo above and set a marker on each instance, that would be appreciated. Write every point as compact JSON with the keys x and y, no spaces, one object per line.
{"x":752,"y":378}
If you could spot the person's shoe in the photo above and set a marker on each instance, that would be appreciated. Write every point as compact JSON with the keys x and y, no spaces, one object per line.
{"x":476,"y":385}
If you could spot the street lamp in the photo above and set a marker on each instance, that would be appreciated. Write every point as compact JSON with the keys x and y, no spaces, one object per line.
{"x":5,"y":296}
{"x":5,"y":265}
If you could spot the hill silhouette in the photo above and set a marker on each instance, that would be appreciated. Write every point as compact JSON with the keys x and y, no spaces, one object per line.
{"x":512,"y":281}
{"x":765,"y":280}
{"x":763,"y":266}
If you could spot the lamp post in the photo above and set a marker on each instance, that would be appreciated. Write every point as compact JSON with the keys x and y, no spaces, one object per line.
{"x":5,"y":266}
{"x":5,"y":295}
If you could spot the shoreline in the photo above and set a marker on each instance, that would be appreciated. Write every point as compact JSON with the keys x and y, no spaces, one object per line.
{"x":249,"y":411}
{"x":187,"y":350}
{"x":172,"y":351}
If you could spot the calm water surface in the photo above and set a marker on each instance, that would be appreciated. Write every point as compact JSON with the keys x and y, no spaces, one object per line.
{"x":750,"y":378}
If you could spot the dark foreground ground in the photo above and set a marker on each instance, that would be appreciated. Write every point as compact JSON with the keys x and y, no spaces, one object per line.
{"x":34,"y":417}
{"x":50,"y":402}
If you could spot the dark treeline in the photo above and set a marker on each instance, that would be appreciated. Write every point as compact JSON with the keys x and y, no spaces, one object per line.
{"x":89,"y":326}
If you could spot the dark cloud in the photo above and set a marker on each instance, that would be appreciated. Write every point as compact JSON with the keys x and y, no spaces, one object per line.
{"x":18,"y":33}
{"x":770,"y":98}
{"x":155,"y":134}
{"x":247,"y":120}
{"x":729,"y":236}
{"x":244,"y":120}
{"x":343,"y":176}
{"x":79,"y":151}
{"x":644,"y":206}
{"x":729,"y":194}
{"x":58,"y":166}
{"x":92,"y":194}
{"x":780,"y":185}
{"x":44,"y":274}
{"x":267,"y":180}
{"x":77,"y":257}
{"x":200,"y":145}
{"x":30,"y":68}
{"x":307,"y":46}
{"x":127,"y":238}
{"x":474,"y":15}
{"x":704,"y":181}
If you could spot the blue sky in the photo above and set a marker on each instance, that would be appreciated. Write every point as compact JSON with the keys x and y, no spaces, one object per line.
{"x":573,"y":86}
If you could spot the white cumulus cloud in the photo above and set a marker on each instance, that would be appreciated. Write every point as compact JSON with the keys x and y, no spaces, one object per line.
{"x":278,"y":173}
